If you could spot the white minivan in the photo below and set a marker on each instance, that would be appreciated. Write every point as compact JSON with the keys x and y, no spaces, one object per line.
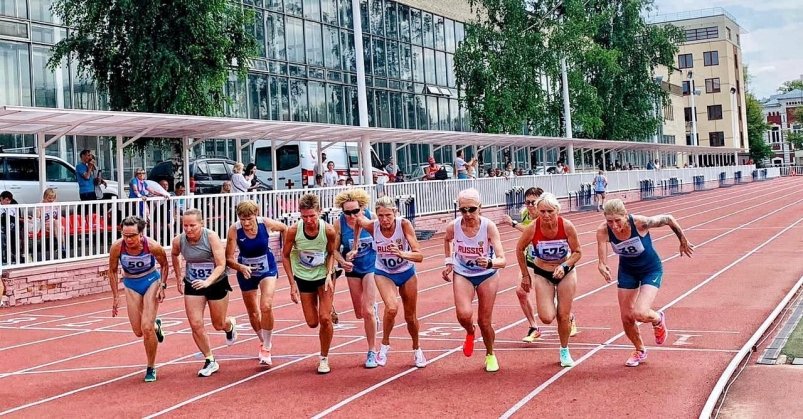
{"x":296,"y":162}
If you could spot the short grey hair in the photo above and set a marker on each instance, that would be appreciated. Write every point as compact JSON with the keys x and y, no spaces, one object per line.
{"x":549,"y":200}
{"x":470,"y":194}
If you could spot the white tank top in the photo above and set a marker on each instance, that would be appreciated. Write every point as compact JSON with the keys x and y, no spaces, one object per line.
{"x":386,"y":261}
{"x":468,"y":249}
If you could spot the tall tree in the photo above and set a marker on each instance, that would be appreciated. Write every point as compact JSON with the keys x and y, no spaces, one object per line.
{"x":756,"y":129}
{"x":164,"y":56}
{"x":509,"y":66}
{"x":790,"y":85}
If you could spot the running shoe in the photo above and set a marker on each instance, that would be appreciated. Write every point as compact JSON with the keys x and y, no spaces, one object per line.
{"x":160,"y":335}
{"x":636,"y":357}
{"x":418,"y":358}
{"x":323,"y":366}
{"x":264,"y":356}
{"x":210,"y":366}
{"x":566,"y":358}
{"x":660,"y":330}
{"x":491,"y":364}
{"x":335,"y":319}
{"x":370,"y":360}
{"x":231,"y":335}
{"x":533,"y":333}
{"x":150,"y":374}
{"x":468,"y":345}
{"x":574,"y":330}
{"x":382,"y":356}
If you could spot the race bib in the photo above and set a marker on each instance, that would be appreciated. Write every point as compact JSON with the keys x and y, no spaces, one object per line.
{"x":365,"y":245}
{"x":136,"y":264}
{"x":311,"y":258}
{"x":258,"y":265}
{"x":469,"y":262}
{"x":553,"y":250}
{"x":629,"y":248}
{"x":200,"y":271}
{"x":391,"y":262}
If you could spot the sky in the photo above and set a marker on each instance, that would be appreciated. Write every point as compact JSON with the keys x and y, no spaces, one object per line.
{"x":772,"y":46}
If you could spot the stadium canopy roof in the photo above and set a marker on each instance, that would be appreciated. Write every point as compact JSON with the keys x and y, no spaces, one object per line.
{"x":60,"y":122}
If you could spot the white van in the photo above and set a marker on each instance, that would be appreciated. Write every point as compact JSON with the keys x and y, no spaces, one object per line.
{"x":297,"y":159}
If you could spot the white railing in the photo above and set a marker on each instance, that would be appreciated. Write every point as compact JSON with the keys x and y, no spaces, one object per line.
{"x":41,"y":234}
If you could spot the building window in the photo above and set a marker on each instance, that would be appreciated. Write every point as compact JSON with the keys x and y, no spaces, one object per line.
{"x":686,"y":88}
{"x":711,"y":58}
{"x":15,"y":79}
{"x":727,"y":29}
{"x":716,"y":139}
{"x":714,"y":112}
{"x":687,"y":114}
{"x":711,"y":32}
{"x":685,"y":61}
{"x":712,"y":85}
{"x":669,"y":112}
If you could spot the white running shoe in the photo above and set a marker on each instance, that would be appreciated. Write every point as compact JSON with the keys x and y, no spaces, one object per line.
{"x":382,"y":356}
{"x":264,"y":356}
{"x":419,"y":359}
{"x":231,"y":336}
{"x":323,"y":365}
{"x":210,"y":367}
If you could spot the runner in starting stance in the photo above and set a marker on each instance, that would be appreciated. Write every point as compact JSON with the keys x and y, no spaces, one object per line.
{"x":640,"y":269}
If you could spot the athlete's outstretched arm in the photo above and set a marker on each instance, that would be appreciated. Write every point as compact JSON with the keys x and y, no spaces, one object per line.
{"x":414,"y":255}
{"x":175,"y":252}
{"x":602,"y":252}
{"x":498,"y":260}
{"x":447,"y":252}
{"x":686,"y":248}
{"x":114,"y":256}
{"x":521,"y":246}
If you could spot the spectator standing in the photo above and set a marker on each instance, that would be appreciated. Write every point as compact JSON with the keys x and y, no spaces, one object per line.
{"x":250,"y":174}
{"x":460,"y":166}
{"x":391,"y":168}
{"x":317,"y":167}
{"x":87,"y":176}
{"x":9,"y":225}
{"x":238,"y":181}
{"x":330,"y":177}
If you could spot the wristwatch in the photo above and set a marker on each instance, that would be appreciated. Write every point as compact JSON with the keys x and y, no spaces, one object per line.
{"x":164,"y":285}
{"x":514,"y":223}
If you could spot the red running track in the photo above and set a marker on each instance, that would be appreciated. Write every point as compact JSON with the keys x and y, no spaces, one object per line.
{"x":63,"y":358}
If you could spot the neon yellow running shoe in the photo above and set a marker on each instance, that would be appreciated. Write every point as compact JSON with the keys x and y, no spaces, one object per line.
{"x":574,"y":330}
{"x":491,"y":364}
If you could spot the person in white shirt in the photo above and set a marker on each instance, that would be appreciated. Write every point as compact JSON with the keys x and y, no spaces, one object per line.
{"x":238,"y":181}
{"x":330,"y":176}
{"x":460,"y":166}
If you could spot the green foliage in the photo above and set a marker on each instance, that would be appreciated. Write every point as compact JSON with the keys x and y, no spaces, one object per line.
{"x":509,"y":66}
{"x":796,"y":138}
{"x":169,"y":56}
{"x":790,"y":85}
{"x":756,"y":128}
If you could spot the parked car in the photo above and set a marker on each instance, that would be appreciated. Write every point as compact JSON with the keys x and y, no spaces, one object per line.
{"x":207,"y":174}
{"x":19,"y":174}
{"x":419,"y":171}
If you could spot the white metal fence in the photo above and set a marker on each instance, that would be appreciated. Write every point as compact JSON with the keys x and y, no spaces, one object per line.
{"x":41,"y":234}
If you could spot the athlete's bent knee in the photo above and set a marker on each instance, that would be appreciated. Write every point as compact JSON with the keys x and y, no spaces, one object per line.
{"x":484,"y":322}
{"x":546,"y":318}
{"x":391,"y":311}
{"x":219,"y":324}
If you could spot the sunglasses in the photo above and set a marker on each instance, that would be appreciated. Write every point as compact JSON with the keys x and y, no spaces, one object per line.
{"x":355,"y":211}
{"x":466,"y":210}
{"x":530,"y":203}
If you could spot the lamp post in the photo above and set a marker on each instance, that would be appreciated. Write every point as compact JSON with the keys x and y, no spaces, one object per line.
{"x":655,"y":108}
{"x":694,"y":92}
{"x":734,"y":119}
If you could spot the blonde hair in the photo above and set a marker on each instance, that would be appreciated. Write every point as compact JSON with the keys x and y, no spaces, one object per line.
{"x":614,"y":206}
{"x":238,"y":167}
{"x":196,"y":212}
{"x":48,"y":192}
{"x":247,"y":209}
{"x":385,"y":202}
{"x":309,"y":201}
{"x":358,"y":195}
{"x":550,"y":200}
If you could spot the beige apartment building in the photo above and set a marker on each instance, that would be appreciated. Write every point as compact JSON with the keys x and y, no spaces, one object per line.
{"x":709,"y":70}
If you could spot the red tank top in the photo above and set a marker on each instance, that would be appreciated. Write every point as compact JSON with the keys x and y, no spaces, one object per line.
{"x":539,"y":235}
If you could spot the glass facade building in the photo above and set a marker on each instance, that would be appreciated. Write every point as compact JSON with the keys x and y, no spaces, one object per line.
{"x":305,"y":71}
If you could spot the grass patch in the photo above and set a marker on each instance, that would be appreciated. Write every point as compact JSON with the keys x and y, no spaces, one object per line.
{"x":794,"y":346}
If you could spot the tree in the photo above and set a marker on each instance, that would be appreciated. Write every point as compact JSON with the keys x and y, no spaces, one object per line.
{"x":790,"y":85}
{"x":756,"y":129}
{"x":171,"y":56}
{"x":509,"y":66}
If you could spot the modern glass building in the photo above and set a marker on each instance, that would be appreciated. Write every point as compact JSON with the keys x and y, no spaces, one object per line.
{"x":305,"y":71}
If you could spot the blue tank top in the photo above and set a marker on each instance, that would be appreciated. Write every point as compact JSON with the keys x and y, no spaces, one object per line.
{"x":599,"y":183}
{"x":366,"y":255}
{"x":137,"y":265}
{"x":255,"y":252}
{"x":636,"y":254}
